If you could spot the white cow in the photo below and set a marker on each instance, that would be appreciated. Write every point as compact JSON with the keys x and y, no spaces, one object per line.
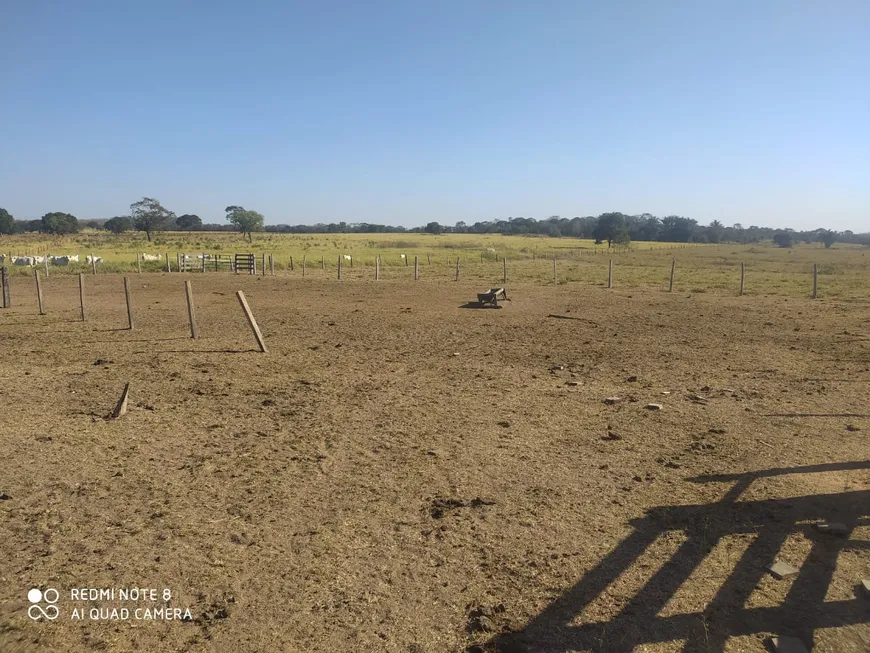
{"x":348,"y":257}
{"x":152,"y":257}
{"x":93,"y":259}
{"x":403,"y":256}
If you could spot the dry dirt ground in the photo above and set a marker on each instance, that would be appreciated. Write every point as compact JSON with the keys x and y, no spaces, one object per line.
{"x":400,"y":473}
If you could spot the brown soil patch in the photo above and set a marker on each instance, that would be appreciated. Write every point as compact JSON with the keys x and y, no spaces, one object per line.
{"x":364,"y":488}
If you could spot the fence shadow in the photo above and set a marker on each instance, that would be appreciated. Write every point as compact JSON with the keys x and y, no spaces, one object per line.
{"x":804,"y":609}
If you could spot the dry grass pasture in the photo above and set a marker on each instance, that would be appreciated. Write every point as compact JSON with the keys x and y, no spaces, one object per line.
{"x":403,"y":474}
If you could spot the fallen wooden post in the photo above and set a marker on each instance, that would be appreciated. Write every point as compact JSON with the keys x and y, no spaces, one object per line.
{"x":251,"y":321}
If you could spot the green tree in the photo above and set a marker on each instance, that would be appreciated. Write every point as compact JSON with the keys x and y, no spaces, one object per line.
{"x":59,"y":224}
{"x":433,"y":228}
{"x":783,"y":238}
{"x":93,"y":224}
{"x":148,"y":215}
{"x":7,"y":222}
{"x":715,"y":232}
{"x":245,"y":221}
{"x":119,"y":224}
{"x":828,"y":237}
{"x":189,"y":222}
{"x":608,"y":227}
{"x":622,"y":237}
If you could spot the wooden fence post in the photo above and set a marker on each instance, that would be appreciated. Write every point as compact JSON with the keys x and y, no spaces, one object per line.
{"x":339,"y":267}
{"x":39,"y":292}
{"x":271,"y":265}
{"x":203,"y":261}
{"x":457,"y":268}
{"x":303,"y":266}
{"x":322,"y":263}
{"x":291,"y":264}
{"x":121,"y":406}
{"x":129,"y":303}
{"x":377,"y":267}
{"x":428,"y":260}
{"x":251,"y":321}
{"x":610,"y":274}
{"x":406,"y":260}
{"x":416,"y":269}
{"x":191,"y":312}
{"x":554,"y":270}
{"x":168,"y":263}
{"x":815,"y":280}
{"x":671,"y":282}
{"x":139,"y":263}
{"x":94,"y":263}
{"x":504,"y":265}
{"x":742,"y":277}
{"x":45,"y":260}
{"x":82,"y":294}
{"x":4,"y":282}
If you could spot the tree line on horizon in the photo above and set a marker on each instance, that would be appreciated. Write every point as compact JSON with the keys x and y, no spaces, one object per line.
{"x":149,"y":216}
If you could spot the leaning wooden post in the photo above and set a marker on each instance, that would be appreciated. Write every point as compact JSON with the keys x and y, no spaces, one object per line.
{"x":291,"y":264}
{"x":610,"y":274}
{"x":129,"y":303}
{"x":303,"y":266}
{"x":457,"y":268}
{"x":121,"y":406}
{"x":504,"y":265}
{"x":377,"y":267}
{"x":39,"y":292}
{"x":416,"y":269}
{"x":671,"y":282}
{"x":428,"y":260}
{"x":339,"y":267}
{"x":815,"y":280}
{"x":191,"y":313}
{"x":322,"y":263}
{"x":554,"y":270}
{"x":82,"y":294}
{"x":251,"y":321}
{"x":742,"y":277}
{"x":4,"y":282}
{"x":139,"y":263}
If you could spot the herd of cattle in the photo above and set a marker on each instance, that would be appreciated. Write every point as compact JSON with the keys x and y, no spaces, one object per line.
{"x":54,"y":260}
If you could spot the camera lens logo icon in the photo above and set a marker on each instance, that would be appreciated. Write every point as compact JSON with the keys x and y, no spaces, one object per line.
{"x":37,"y":597}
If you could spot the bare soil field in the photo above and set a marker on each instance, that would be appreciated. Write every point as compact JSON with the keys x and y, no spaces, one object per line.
{"x":401,"y":473}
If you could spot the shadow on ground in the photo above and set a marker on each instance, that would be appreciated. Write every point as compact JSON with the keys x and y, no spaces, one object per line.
{"x":803,"y":611}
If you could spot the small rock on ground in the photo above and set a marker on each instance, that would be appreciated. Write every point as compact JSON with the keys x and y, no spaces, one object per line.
{"x":782,"y":570}
{"x":653,"y":406}
{"x":833,"y":528}
{"x":788,"y":645}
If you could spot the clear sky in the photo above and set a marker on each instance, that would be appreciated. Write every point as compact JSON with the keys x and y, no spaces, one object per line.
{"x":408,"y":111}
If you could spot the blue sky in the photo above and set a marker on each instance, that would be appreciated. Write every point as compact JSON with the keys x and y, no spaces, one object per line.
{"x":409,"y":111}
